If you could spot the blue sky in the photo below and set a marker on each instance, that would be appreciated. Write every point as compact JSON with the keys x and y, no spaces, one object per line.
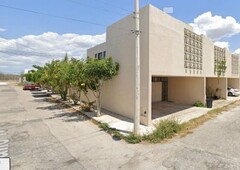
{"x":96,"y":14}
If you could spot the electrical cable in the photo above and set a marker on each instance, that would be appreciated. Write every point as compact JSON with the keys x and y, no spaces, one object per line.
{"x":51,"y":15}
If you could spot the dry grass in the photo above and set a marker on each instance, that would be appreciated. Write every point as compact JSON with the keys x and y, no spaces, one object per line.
{"x":194,"y":123}
{"x":168,"y":129}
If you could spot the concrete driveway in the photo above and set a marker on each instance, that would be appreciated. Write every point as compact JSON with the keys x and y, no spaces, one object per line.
{"x":43,"y":135}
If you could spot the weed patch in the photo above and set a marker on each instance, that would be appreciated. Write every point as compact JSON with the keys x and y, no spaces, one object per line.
{"x":164,"y":130}
{"x":167,"y":129}
{"x":133,"y":138}
{"x":198,"y":104}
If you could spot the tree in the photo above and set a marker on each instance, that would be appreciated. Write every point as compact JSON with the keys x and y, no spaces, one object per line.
{"x":96,"y":72}
{"x":221,"y":68}
{"x":75,"y":73}
{"x":62,"y":77}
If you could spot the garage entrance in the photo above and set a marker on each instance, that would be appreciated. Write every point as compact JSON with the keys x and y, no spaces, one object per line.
{"x":174,"y":94}
{"x":159,"y":89}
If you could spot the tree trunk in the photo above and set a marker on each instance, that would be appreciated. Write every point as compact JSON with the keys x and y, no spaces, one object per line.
{"x":86,"y":97}
{"x":99,"y":105}
{"x":64,"y":94}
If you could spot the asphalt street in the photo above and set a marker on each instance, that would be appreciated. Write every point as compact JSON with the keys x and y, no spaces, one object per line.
{"x":38,"y":134}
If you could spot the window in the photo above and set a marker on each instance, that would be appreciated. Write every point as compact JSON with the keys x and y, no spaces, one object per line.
{"x":99,"y":56}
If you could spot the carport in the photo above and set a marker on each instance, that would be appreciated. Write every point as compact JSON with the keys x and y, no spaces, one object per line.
{"x":173,"y":94}
{"x":218,"y":86}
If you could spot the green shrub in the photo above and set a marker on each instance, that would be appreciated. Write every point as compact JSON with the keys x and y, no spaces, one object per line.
{"x":132,"y":138}
{"x":104,"y":126}
{"x":199,"y":104}
{"x":165,"y":129}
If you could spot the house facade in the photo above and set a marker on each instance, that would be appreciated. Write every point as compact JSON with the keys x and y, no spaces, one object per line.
{"x":176,"y":64}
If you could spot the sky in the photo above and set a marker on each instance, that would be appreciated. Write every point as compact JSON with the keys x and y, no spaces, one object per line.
{"x":35,"y":32}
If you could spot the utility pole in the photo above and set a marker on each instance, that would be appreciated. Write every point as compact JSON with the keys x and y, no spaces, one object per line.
{"x":137,"y":70}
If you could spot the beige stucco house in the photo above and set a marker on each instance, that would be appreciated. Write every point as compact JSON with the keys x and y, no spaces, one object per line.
{"x":176,"y":64}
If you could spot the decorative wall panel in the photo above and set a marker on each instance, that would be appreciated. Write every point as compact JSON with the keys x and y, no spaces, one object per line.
{"x":192,"y":52}
{"x":219,"y":56}
{"x":235,"y":64}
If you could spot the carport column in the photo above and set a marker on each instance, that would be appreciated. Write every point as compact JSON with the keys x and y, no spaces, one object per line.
{"x":204,"y":90}
{"x":224,"y":89}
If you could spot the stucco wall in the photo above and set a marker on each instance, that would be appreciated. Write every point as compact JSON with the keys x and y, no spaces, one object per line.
{"x":187,"y":90}
{"x":90,"y":96}
{"x":208,"y":57}
{"x":162,"y":54}
{"x":228,"y":64}
{"x":166,"y":38}
{"x":234,"y":83}
{"x":118,"y":94}
{"x":97,"y":49}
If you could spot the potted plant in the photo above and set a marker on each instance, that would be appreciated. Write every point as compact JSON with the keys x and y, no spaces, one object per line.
{"x":210,"y":96}
{"x":217,"y":94}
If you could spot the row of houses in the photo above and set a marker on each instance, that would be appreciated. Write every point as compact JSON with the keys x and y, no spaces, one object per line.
{"x":177,"y":65}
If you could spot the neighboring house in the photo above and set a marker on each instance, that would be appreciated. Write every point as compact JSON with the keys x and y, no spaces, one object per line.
{"x":176,"y":64}
{"x":22,"y":78}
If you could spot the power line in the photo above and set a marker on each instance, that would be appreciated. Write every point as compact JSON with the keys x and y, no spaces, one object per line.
{"x":97,"y":8}
{"x":55,"y":16}
{"x":123,"y":9}
{"x":51,"y":15}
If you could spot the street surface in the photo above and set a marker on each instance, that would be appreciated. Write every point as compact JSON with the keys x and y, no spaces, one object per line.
{"x":37,"y":134}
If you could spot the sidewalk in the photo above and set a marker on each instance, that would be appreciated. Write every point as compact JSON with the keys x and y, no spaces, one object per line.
{"x":125,"y":125}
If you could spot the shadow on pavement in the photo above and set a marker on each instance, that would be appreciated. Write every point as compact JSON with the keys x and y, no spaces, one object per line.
{"x":53,"y":107}
{"x":70,"y":117}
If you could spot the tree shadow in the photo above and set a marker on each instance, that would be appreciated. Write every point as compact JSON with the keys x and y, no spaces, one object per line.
{"x":56,"y":106}
{"x":40,"y":100}
{"x":70,"y":116}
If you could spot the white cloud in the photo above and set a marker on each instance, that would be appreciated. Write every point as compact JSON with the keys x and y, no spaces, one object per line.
{"x":237,"y":51}
{"x":222,"y":44}
{"x":19,"y":54}
{"x":2,"y":29}
{"x":215,"y":27}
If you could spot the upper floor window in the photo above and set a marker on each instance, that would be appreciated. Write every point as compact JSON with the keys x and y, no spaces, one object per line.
{"x":100,"y":55}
